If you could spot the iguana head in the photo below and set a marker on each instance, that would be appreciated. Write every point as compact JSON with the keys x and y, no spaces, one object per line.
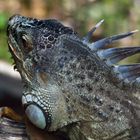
{"x":42,"y":47}
{"x":33,"y":44}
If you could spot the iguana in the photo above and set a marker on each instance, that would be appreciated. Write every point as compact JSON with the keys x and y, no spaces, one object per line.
{"x":74,"y":85}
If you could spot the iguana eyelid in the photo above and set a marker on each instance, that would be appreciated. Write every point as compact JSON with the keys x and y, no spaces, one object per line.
{"x":27,"y":43}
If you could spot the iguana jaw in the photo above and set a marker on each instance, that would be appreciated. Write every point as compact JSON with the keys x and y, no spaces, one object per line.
{"x":47,"y":112}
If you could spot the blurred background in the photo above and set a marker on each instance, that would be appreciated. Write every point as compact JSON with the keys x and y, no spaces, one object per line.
{"x":119,"y":15}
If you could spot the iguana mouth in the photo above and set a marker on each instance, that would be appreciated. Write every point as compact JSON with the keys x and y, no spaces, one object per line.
{"x":19,"y":42}
{"x":13,"y":52}
{"x":13,"y":46}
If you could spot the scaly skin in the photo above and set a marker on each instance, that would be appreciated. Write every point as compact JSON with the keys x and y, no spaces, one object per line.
{"x":71,"y":85}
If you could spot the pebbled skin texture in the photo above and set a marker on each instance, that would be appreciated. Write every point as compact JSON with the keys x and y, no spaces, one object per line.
{"x":76,"y":91}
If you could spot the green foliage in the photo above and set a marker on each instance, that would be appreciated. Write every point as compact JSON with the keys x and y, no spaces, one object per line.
{"x":3,"y":21}
{"x":4,"y":54}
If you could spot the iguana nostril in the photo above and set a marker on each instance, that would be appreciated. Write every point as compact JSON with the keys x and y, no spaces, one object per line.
{"x":36,"y":116}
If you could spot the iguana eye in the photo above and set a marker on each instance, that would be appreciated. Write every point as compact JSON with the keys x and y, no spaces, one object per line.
{"x":26,"y":41}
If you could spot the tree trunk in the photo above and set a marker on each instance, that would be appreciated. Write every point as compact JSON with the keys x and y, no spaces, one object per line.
{"x":12,"y":130}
